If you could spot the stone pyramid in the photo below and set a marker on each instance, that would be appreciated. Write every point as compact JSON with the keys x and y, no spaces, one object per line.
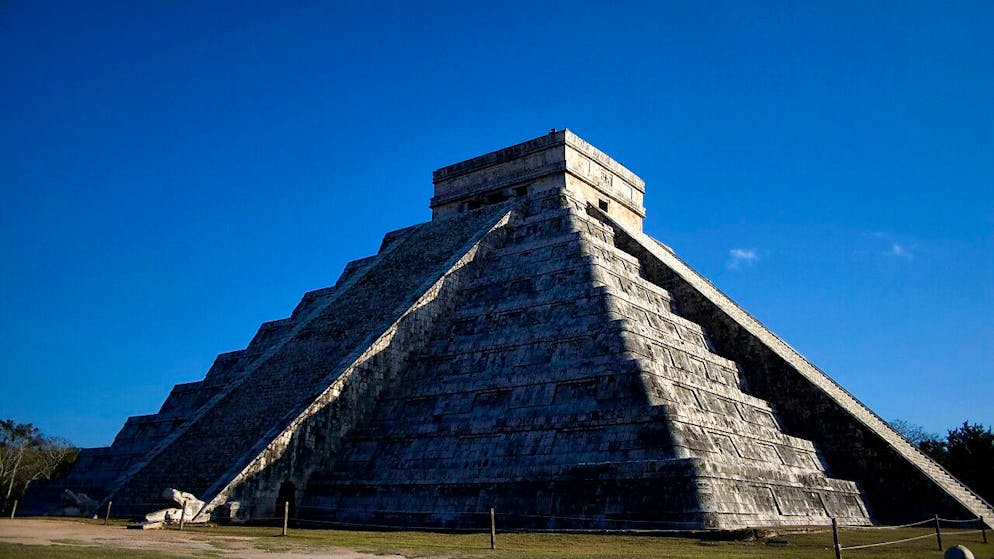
{"x":529,"y":349}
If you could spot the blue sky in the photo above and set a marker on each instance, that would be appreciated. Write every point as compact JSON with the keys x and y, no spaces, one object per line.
{"x":176,"y":173}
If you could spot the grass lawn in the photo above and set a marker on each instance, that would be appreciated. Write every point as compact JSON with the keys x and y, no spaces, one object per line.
{"x":539,"y":546}
{"x":220,"y":542}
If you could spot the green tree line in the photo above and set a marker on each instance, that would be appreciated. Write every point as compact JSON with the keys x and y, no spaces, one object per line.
{"x":26,"y":454}
{"x":966,"y":451}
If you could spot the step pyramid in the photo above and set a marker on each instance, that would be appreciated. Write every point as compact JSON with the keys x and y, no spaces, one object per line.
{"x":528,"y":349}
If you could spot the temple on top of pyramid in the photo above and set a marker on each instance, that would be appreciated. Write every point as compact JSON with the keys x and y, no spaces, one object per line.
{"x":529,"y":349}
{"x":560,"y":160}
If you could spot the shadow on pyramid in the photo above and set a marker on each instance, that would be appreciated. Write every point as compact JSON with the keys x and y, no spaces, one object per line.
{"x":528,"y":349}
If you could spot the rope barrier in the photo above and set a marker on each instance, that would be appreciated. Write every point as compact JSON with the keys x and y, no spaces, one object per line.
{"x":582,"y":518}
{"x":935,"y":520}
{"x":959,"y":533}
{"x":895,"y":527}
{"x":380,"y":526}
{"x":388,"y":511}
{"x":601,"y":531}
{"x":586,"y":519}
{"x":547,"y":516}
{"x":565,"y":530}
{"x":501,"y":514}
{"x":864,"y":546}
{"x":578,"y":519}
{"x":470,"y":513}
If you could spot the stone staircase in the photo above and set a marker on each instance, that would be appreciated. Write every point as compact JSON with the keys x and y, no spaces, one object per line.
{"x":522,"y":398}
{"x":963,"y":494}
{"x":860,"y":412}
{"x":533,"y":381}
{"x":292,"y":360}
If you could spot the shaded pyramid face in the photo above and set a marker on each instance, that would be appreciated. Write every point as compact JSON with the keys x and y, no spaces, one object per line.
{"x":531,"y":350}
{"x":563,"y":390}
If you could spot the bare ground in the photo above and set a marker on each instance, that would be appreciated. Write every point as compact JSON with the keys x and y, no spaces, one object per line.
{"x":57,"y":532}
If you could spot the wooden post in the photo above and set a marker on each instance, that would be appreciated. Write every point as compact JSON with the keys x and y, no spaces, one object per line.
{"x":835,"y":538}
{"x":182,"y":517}
{"x":286,"y":515}
{"x":107,"y":516}
{"x":493,"y":530}
{"x":983,"y":529}
{"x":13,"y":510}
{"x":938,"y":533}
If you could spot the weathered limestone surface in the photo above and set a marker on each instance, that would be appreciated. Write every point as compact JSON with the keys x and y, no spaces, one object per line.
{"x":899,"y":480}
{"x":288,"y":365}
{"x":560,"y":160}
{"x":528,"y":349}
{"x":565,"y":392}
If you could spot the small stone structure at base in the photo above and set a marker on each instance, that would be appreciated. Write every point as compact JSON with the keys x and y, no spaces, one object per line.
{"x":189,"y":506}
{"x":528,"y":349}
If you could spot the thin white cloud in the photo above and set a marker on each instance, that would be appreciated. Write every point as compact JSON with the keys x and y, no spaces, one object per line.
{"x":897,"y":250}
{"x":900,"y":251}
{"x":739,"y":257}
{"x":892,"y":248}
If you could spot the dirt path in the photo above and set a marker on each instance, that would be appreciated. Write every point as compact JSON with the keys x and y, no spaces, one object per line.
{"x":75,"y":533}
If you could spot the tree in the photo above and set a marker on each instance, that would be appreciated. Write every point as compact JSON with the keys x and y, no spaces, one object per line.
{"x":970,"y":457}
{"x":15,"y":440}
{"x":967,"y":452}
{"x":916,"y":434}
{"x":26,"y":455}
{"x":936,"y":450}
